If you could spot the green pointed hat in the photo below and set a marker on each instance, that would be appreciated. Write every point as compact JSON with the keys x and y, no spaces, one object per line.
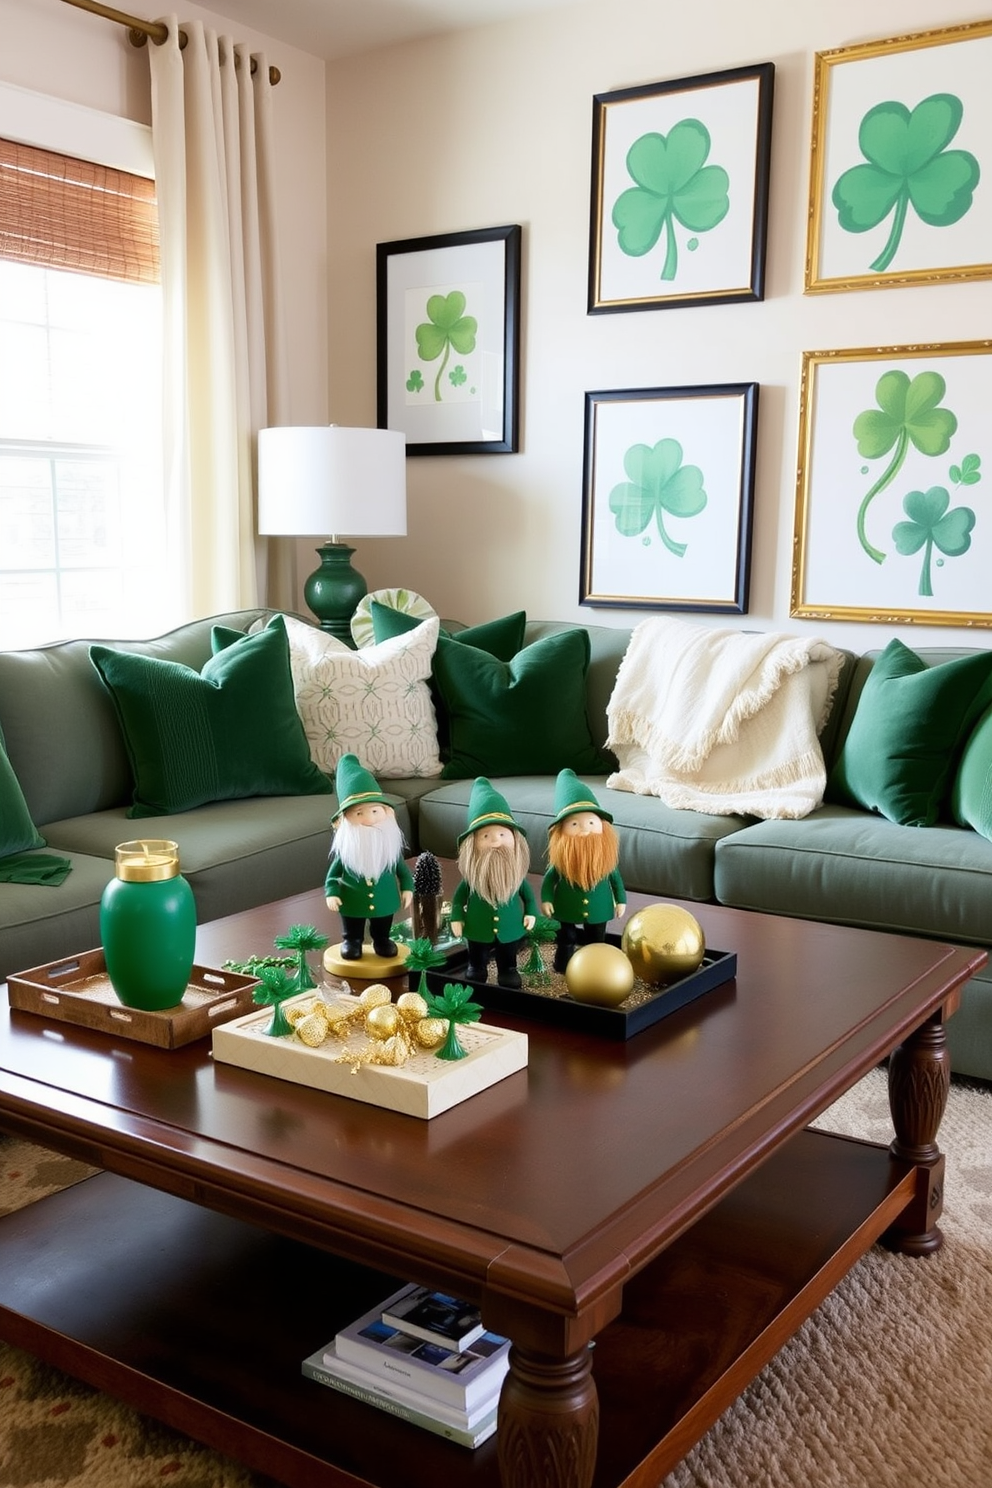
{"x":354,"y":785}
{"x":487,"y":808}
{"x":572,"y":796}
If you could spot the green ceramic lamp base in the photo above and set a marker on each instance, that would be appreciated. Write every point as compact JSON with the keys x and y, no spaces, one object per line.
{"x":334,"y":589}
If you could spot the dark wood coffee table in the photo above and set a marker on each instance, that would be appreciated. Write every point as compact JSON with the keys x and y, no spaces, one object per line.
{"x":661,"y":1197}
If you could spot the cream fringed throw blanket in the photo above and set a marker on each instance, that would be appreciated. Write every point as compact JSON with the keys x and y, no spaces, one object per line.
{"x":722,"y":721}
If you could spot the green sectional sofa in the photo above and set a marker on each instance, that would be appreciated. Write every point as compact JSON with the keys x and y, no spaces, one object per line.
{"x":840,"y":864}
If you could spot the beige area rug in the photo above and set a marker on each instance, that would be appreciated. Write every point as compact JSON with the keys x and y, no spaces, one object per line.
{"x":889,"y":1384}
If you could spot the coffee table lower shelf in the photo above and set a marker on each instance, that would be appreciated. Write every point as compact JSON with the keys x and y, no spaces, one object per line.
{"x":201,"y":1320}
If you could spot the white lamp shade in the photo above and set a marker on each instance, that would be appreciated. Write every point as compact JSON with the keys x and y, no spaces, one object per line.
{"x":321,"y":481}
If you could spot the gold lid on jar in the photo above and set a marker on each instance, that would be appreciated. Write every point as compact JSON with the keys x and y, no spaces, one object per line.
{"x":147,"y":860}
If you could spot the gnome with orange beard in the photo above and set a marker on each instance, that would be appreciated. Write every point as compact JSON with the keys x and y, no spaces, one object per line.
{"x":582,"y":888}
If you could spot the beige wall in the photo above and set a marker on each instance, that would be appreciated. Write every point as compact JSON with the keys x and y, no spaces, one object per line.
{"x":493,"y":126}
{"x":52,"y":48}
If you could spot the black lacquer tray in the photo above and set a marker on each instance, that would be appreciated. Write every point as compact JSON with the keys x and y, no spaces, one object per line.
{"x":645,"y":1007}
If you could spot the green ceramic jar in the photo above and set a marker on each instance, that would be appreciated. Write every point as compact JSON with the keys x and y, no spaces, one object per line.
{"x":148,"y":925}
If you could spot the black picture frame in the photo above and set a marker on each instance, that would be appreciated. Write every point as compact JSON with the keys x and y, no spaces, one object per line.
{"x":723,"y":119}
{"x":471,"y":283}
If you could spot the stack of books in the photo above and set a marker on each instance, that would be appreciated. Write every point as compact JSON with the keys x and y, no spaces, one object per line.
{"x":422,"y":1355}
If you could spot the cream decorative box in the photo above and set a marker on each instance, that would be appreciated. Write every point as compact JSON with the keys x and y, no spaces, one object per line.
{"x":424,"y":1086}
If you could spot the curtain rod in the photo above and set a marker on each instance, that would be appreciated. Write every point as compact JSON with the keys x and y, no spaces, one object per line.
{"x":139,"y":31}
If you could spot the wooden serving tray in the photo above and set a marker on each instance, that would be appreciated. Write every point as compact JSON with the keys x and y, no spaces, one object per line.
{"x":78,"y":990}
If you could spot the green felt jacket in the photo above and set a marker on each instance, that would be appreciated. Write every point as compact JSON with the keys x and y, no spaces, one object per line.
{"x":365,"y":897}
{"x":487,"y":922}
{"x":583,"y":906}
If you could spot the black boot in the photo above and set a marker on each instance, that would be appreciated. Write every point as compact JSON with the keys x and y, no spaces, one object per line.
{"x":384,"y":947}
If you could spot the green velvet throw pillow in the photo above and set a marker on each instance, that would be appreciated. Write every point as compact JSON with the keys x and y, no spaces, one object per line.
{"x":18,"y":832}
{"x":526,"y":716}
{"x":907,"y":733}
{"x":971,"y":795}
{"x":501,"y":638}
{"x":220,"y":734}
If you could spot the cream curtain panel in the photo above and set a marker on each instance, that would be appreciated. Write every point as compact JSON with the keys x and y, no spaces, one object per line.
{"x":224,"y":357}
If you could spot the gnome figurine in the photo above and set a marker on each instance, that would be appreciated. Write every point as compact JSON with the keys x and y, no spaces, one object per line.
{"x":368,"y":879}
{"x":582,"y":888}
{"x":494,"y":904}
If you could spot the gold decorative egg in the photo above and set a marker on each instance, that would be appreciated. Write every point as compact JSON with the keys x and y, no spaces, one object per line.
{"x":412,"y":1006}
{"x":383,"y":1021}
{"x":430,"y":1032}
{"x":599,"y":973}
{"x":375,"y":996}
{"x":663,"y":942}
{"x":312,"y":1030}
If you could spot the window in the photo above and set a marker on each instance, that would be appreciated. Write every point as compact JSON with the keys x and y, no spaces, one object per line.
{"x":82,"y":530}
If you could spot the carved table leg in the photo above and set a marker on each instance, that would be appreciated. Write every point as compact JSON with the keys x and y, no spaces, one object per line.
{"x":919,"y":1079}
{"x":548,"y":1421}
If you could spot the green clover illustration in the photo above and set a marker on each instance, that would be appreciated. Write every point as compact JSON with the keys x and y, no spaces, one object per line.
{"x":931,"y":526}
{"x":657,"y":482}
{"x":967,"y":473}
{"x":457,"y":376}
{"x":415,"y":382}
{"x":907,"y":413}
{"x":673,"y":185}
{"x":447,"y":326}
{"x":908,"y":164}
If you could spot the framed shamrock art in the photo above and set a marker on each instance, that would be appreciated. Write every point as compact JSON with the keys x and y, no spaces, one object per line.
{"x":680,"y":191}
{"x":668,"y":483}
{"x":895,"y":453}
{"x":901,"y":159}
{"x":448,"y":326}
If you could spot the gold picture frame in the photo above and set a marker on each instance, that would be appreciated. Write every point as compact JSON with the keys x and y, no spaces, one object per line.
{"x":878,"y":108}
{"x":891,"y":442}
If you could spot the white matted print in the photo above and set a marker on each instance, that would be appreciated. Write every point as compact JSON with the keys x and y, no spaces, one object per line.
{"x":448,"y":310}
{"x":900,"y":160}
{"x":894,"y":505}
{"x":667,"y":494}
{"x":680,"y":191}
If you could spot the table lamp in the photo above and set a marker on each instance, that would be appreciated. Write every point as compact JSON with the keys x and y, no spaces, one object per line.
{"x":329,"y":479}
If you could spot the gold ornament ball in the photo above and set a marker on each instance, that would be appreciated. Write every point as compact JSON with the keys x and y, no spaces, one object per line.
{"x":599,"y":973}
{"x":663,"y":942}
{"x":382,"y":1021}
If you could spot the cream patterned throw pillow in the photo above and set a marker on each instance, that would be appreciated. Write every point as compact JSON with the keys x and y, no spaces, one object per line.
{"x":374,"y":702}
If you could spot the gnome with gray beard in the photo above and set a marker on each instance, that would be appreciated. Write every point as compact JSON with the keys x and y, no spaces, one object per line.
{"x":367,"y":881}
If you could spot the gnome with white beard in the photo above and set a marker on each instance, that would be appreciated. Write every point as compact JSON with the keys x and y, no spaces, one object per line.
{"x":367,"y":881}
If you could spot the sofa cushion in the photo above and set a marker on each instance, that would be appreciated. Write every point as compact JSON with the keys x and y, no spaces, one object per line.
{"x":663,"y":852}
{"x":971,"y":794}
{"x":226,"y":732}
{"x":18,"y":832}
{"x":374,"y":702}
{"x":502,"y":638}
{"x":522,"y":717}
{"x":42,"y":924}
{"x":907,"y":733}
{"x":842,"y":865}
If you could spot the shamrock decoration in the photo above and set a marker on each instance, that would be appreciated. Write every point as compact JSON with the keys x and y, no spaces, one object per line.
{"x":657,"y":482}
{"x":909,"y":164}
{"x":446,"y":326}
{"x":457,"y":376}
{"x":423,"y":958}
{"x":931,"y":526}
{"x":456,"y":1005}
{"x":543,"y":932}
{"x":415,"y":382}
{"x":275,"y":987}
{"x":967,"y":473}
{"x":673,"y":185}
{"x":301,"y":939}
{"x":907,"y":414}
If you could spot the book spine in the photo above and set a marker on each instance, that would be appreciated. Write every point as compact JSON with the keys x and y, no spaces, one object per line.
{"x":465,"y":1438}
{"x":416,"y":1330}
